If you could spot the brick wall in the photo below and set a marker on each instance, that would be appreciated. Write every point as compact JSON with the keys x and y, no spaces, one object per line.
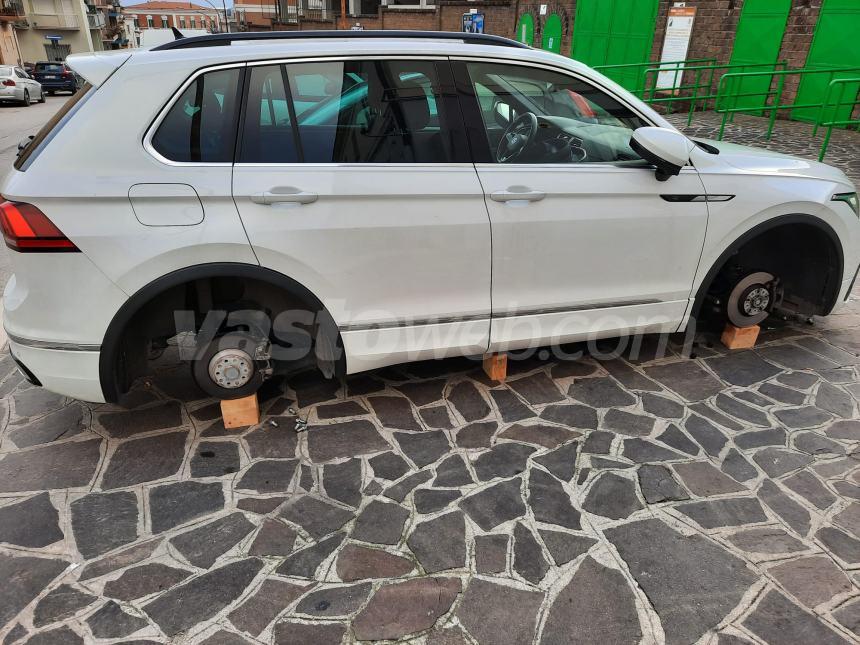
{"x":713,"y":31}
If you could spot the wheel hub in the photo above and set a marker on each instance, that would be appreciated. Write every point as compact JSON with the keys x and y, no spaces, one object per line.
{"x":756,"y":301}
{"x":231,"y":368}
{"x":750,"y":300}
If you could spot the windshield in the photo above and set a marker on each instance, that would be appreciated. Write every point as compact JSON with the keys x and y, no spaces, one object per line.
{"x":50,"y":67}
{"x":5,"y":71}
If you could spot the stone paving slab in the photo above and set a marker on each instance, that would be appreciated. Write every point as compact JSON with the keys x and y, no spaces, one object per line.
{"x":704,"y":496}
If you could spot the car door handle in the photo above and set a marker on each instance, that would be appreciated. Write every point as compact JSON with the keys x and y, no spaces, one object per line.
{"x":517,"y":193}
{"x":284,"y":195}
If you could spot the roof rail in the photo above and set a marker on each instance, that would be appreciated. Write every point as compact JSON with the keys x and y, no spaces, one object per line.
{"x":216,"y":40}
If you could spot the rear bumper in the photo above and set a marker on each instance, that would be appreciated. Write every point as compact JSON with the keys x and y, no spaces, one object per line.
{"x":73,"y":373}
{"x":11,"y":93}
{"x":71,"y":86}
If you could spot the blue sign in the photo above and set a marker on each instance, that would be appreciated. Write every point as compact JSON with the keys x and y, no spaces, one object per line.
{"x":53,"y":38}
{"x":473,"y":23}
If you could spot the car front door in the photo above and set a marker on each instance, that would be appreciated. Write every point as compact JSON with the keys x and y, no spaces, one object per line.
{"x":586,"y":242}
{"x":353,"y":177}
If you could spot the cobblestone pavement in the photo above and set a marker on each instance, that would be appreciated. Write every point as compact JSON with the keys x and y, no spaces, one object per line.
{"x":708,"y":497}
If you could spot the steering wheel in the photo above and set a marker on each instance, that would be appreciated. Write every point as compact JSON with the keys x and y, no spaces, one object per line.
{"x":518,"y":135}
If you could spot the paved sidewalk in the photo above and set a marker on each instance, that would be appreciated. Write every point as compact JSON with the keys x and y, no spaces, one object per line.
{"x":707,"y":497}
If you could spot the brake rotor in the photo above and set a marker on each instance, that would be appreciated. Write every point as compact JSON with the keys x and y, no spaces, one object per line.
{"x":751,"y":299}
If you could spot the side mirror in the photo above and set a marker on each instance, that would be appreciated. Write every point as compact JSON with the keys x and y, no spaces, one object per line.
{"x":667,"y":149}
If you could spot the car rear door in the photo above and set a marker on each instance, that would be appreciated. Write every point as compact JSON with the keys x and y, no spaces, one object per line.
{"x":353,"y":177}
{"x":586,"y":242}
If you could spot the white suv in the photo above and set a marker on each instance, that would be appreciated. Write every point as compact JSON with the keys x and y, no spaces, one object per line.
{"x":358,"y":200}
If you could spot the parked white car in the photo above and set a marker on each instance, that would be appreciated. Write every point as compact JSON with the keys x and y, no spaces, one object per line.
{"x":17,"y":86}
{"x":364,"y":199}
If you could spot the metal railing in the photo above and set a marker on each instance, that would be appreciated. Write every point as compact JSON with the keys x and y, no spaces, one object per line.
{"x":833,"y":121}
{"x":730,"y":87}
{"x":697,"y":93}
{"x":641,"y":68}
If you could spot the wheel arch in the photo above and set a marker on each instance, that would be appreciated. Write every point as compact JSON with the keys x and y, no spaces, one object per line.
{"x":762,"y":228}
{"x":109,"y":358}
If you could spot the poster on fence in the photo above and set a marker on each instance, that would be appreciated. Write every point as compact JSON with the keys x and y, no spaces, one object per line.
{"x":679,"y":28}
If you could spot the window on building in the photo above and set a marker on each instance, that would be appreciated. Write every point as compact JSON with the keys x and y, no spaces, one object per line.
{"x":165,"y":22}
{"x":150,"y":22}
{"x":136,"y":22}
{"x":193,"y":22}
{"x":182,"y":22}
{"x":559,"y":119}
{"x":201,"y":124}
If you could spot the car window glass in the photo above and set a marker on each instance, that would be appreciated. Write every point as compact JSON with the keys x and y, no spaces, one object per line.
{"x":369,"y":112}
{"x":200,"y":126}
{"x":50,"y":67}
{"x":574,"y":122}
{"x":268,"y":129}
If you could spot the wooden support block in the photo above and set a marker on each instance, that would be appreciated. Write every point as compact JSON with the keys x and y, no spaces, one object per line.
{"x":241,"y":412}
{"x":739,"y":337}
{"x":496,"y":366}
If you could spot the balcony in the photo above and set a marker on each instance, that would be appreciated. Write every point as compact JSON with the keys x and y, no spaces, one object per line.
{"x":11,"y":10}
{"x":96,"y":20}
{"x":54,"y":21}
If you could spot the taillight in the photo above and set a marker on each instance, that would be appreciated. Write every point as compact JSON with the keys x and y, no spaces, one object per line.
{"x":28,"y":230}
{"x":66,"y":74}
{"x":9,"y":82}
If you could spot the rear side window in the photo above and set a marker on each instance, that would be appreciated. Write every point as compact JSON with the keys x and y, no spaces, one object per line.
{"x":268,"y":135}
{"x":51,"y":128}
{"x":201,"y":125}
{"x":348,"y":112}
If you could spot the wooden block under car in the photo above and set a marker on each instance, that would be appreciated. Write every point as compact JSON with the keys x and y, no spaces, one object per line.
{"x":496,"y":366}
{"x":739,"y":337}
{"x":241,"y":412}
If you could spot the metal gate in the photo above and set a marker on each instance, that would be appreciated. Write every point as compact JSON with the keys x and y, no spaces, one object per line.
{"x":614,"y":32}
{"x":57,"y":52}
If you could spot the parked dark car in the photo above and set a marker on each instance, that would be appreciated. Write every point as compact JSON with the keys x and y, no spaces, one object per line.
{"x":55,"y":77}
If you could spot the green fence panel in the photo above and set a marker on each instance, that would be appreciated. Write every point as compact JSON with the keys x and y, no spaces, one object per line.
{"x":834,"y":45}
{"x":551,"y":38}
{"x":526,"y":29}
{"x":757,"y":40}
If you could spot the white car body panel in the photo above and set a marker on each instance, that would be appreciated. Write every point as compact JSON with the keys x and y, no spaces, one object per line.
{"x":541,"y":248}
{"x":380,"y":247}
{"x":411,"y":261}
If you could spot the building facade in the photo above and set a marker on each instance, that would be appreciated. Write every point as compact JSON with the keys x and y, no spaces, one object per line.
{"x":37,"y":30}
{"x":750,"y":35}
{"x":11,"y":13}
{"x":181,"y":15}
